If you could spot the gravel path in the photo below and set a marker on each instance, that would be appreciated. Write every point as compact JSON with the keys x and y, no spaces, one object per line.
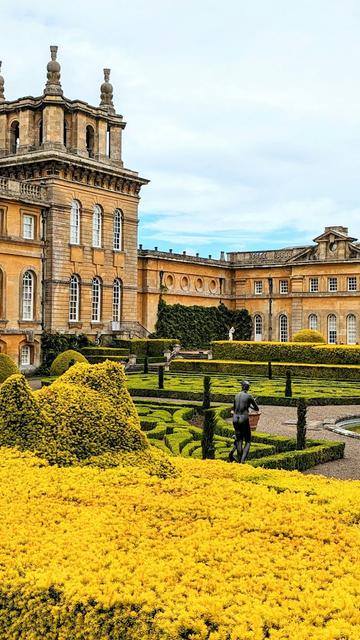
{"x":273,"y":420}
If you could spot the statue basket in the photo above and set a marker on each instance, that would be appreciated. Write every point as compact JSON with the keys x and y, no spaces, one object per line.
{"x":253,"y":420}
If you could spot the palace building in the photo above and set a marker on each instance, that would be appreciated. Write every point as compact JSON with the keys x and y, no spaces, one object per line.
{"x":69,"y":260}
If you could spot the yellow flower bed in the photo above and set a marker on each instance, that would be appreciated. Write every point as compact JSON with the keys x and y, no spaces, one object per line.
{"x":222,"y":552}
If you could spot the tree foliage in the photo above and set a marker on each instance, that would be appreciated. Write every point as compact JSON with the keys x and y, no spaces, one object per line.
{"x":196,"y":326}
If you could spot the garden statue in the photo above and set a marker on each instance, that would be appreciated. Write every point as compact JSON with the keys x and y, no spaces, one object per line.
{"x":231,"y":333}
{"x":242,"y":403}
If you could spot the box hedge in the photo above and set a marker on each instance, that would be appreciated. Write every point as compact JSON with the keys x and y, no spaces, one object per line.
{"x":7,"y":367}
{"x":286,"y":352}
{"x":250,"y":368}
{"x":146,"y":346}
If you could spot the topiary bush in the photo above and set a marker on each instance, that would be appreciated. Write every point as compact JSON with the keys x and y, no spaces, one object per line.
{"x":22,"y":424}
{"x":7,"y":367}
{"x":86,"y":416}
{"x":65,"y":360}
{"x":309,"y":335}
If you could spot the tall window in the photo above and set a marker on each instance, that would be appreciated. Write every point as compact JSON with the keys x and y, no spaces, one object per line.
{"x":116,"y":314}
{"x":258,"y":286}
{"x":258,"y":328}
{"x":90,"y":140}
{"x":117,"y":241}
{"x":28,"y":227}
{"x":28,"y":296}
{"x":351,"y":337}
{"x":25,"y":355}
{"x":74,"y":298}
{"x":284,"y":286}
{"x":332,"y":333}
{"x":332,"y":284}
{"x":313,"y":285}
{"x":75,"y":222}
{"x":313,"y":321}
{"x":96,"y":300}
{"x":96,"y":226}
{"x":352,"y":283}
{"x":283,"y":328}
{"x":14,"y":136}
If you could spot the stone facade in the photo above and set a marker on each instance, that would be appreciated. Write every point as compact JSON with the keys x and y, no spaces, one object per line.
{"x":71,"y":152}
{"x":68,"y":242}
{"x":285,"y":290}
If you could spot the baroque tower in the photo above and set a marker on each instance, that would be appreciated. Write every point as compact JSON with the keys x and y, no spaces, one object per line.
{"x":87,"y":229}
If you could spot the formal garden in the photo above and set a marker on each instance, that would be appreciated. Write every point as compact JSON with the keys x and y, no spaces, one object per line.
{"x":122,"y":518}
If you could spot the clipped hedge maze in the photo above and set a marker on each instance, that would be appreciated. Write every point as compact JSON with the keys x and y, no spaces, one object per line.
{"x":168,"y":427}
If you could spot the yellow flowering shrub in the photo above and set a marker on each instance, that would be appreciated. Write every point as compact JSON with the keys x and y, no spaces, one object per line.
{"x":7,"y":367}
{"x":221,"y":552}
{"x":86,"y":415}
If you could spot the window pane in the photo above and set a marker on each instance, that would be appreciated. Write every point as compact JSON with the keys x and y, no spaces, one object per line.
{"x":332,"y":284}
{"x":28,"y":227}
{"x":258,"y":328}
{"x":116,"y":315}
{"x":314,"y":284}
{"x":283,"y":321}
{"x":28,"y":296}
{"x":313,"y":323}
{"x":97,"y":220}
{"x":75,"y":223}
{"x":96,"y":300}
{"x":332,"y":333}
{"x":25,"y":353}
{"x":351,"y":329}
{"x":117,"y":240}
{"x":258,"y":286}
{"x":74,"y":299}
{"x":352,"y":284}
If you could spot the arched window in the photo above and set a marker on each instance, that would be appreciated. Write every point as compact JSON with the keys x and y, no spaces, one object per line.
{"x":96,"y":300}
{"x":90,"y":141}
{"x":118,"y":221}
{"x":25,"y":355}
{"x":283,"y":328}
{"x":116,"y":307}
{"x":313,"y":321}
{"x":332,"y":333}
{"x":258,"y":328}
{"x":74,"y":298}
{"x":28,"y":291}
{"x":96,"y":226}
{"x":14,"y":136}
{"x":75,"y":222}
{"x":351,"y":333}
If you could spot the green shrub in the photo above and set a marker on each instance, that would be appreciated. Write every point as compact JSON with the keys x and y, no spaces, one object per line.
{"x":195,"y":325}
{"x":246,"y":368}
{"x":65,"y":360}
{"x":206,"y":393}
{"x":309,"y":335}
{"x":318,"y":453}
{"x":142,"y":347}
{"x":104,"y":351}
{"x":53,"y":343}
{"x":161,"y":377}
{"x":286,"y":352}
{"x":301,"y":424}
{"x":7,"y":367}
{"x":207,"y":441}
{"x":288,"y":389}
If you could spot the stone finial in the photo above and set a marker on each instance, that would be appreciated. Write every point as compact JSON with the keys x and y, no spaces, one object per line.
{"x":53,"y":85}
{"x":2,"y":95}
{"x":106,"y":93}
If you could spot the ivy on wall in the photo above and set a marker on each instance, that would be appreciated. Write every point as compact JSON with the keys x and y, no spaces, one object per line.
{"x":196,"y":326}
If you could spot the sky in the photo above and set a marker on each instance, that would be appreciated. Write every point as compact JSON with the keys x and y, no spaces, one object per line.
{"x":244,"y":114}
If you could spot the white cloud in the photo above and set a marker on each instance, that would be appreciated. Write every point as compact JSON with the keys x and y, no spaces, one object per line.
{"x":245,"y":117}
